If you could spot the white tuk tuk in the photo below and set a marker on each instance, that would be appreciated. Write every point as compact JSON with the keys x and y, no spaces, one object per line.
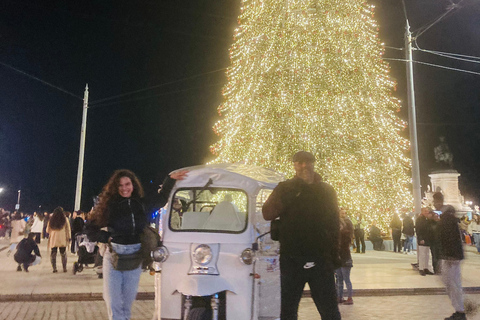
{"x":218,"y":260}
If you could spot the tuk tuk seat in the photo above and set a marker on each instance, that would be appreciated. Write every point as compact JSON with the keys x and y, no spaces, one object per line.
{"x":194,"y":220}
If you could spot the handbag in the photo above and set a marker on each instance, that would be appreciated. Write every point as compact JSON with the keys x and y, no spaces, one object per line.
{"x":125,"y":262}
{"x":150,"y":240}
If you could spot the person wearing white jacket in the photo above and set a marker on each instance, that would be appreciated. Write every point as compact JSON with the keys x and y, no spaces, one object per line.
{"x":37,"y":226}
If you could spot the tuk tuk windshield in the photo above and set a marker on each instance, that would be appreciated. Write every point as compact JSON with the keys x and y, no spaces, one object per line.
{"x":209,"y":210}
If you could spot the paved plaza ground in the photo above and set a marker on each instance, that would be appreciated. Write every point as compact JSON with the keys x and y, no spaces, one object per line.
{"x":423,"y":307}
{"x":386,"y":287}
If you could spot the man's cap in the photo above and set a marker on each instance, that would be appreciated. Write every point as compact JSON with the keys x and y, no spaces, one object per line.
{"x":303,"y":156}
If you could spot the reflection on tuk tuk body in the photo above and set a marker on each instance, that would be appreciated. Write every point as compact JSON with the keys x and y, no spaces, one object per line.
{"x":216,"y":261}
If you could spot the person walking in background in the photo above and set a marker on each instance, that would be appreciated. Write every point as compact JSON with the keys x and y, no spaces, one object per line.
{"x":18,"y":228}
{"x":396,"y":226}
{"x":474,"y":230}
{"x":77,"y":227}
{"x":451,"y":255}
{"x":423,"y":227}
{"x":59,"y":235}
{"x":24,"y":255}
{"x":464,"y":228}
{"x":359,"y":232}
{"x":37,"y":226}
{"x":309,"y":238}
{"x":120,"y":210}
{"x":409,"y":232}
{"x":343,"y":273}
{"x":46,"y":218}
{"x":435,"y":243}
{"x":375,"y":236}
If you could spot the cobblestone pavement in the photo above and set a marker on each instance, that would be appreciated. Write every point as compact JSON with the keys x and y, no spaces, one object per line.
{"x":71,"y":310}
{"x":435,"y":307}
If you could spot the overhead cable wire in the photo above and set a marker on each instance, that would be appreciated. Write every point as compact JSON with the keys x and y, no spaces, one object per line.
{"x":448,"y":124}
{"x":394,"y":48}
{"x":155,"y":87}
{"x":152,"y":96}
{"x":435,"y":65}
{"x":40,"y":80}
{"x":450,"y":57}
{"x":454,"y":56}
{"x":417,"y":33}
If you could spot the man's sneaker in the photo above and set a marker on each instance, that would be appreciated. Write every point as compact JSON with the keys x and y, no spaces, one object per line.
{"x":457,"y":316}
{"x":19,"y":268}
{"x":349,"y":301}
{"x":422,"y":273}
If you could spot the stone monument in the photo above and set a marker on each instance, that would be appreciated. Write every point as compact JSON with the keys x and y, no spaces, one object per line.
{"x":445,"y":179}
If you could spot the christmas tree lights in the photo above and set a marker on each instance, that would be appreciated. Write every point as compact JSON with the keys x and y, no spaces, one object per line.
{"x":309,"y":75}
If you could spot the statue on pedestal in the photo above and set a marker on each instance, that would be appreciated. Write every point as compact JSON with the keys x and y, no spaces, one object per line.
{"x":443,"y":156}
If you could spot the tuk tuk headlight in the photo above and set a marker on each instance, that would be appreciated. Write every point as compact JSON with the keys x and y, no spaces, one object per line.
{"x":160,"y":254}
{"x":202,"y":254}
{"x":247,"y":257}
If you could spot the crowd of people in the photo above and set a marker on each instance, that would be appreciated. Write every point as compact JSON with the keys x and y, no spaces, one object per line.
{"x":317,"y":253}
{"x":26,"y":231}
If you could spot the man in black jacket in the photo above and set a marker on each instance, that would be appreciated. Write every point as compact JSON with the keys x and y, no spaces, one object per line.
{"x":423,"y":227}
{"x":409,"y":232}
{"x":309,"y":238}
{"x":451,"y":254}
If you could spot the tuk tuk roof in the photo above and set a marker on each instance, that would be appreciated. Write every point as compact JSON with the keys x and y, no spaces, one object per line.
{"x":232,"y":175}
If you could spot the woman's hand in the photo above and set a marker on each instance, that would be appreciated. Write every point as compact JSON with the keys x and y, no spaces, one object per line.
{"x":179,"y":175}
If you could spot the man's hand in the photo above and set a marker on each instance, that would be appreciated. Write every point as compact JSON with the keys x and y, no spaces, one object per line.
{"x":179,"y":175}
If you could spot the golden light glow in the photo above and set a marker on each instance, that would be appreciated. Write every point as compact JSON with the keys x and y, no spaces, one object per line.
{"x":309,"y":75}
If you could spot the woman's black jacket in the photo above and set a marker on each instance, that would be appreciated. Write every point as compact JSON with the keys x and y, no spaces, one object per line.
{"x":127,"y":217}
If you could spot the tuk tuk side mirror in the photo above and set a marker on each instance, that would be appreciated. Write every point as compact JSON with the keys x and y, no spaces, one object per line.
{"x":255,"y":246}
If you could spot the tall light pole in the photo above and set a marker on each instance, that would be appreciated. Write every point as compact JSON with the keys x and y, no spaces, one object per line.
{"x":78,"y":193}
{"x":412,"y":121}
{"x":17,"y":206}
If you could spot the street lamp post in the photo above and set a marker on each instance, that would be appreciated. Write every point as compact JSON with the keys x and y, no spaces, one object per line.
{"x":78,"y":193}
{"x":412,"y":118}
{"x":17,"y":206}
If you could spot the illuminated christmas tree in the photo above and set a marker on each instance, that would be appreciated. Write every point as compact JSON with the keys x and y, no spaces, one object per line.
{"x":309,"y":75}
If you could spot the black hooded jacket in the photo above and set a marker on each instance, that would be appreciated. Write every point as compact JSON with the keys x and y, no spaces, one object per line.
{"x":309,"y":219}
{"x":127,"y":217}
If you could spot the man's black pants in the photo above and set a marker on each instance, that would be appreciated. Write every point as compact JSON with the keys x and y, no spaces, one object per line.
{"x":295,"y":272}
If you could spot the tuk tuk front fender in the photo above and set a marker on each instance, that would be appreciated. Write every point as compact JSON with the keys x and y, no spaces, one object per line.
{"x":203,"y":285}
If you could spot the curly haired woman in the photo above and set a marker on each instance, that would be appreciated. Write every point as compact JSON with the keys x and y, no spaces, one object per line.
{"x":120,"y":210}
{"x":58,"y":229}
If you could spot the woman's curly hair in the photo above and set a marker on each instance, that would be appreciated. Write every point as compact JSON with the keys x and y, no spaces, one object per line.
{"x":110,"y":190}
{"x":58,"y":220}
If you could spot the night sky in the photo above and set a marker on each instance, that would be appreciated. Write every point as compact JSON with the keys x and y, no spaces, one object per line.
{"x":179,"y":49}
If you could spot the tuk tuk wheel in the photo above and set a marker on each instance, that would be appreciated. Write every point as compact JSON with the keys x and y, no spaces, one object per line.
{"x":200,"y":314}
